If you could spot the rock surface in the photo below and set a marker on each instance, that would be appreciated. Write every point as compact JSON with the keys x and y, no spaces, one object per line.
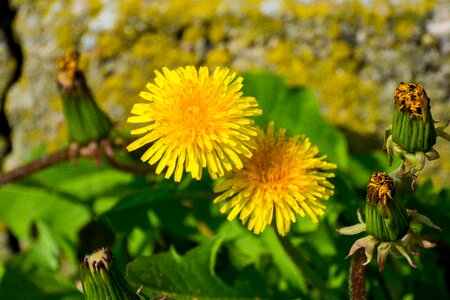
{"x":353,"y":55}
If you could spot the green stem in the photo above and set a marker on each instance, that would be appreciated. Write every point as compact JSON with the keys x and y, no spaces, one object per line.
{"x":357,"y":287}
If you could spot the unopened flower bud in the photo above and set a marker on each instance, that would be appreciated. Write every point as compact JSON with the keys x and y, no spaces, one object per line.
{"x":386,"y":218}
{"x":387,"y":224}
{"x":412,"y":124}
{"x":85,"y":121}
{"x":102,"y":280}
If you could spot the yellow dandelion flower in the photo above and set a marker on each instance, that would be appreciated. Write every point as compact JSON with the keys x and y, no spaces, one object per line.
{"x":284,"y":177}
{"x":195,"y":120}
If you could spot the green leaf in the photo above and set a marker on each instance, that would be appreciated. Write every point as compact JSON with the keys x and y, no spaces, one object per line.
{"x":45,"y":252}
{"x":176,"y":211}
{"x":298,"y":269}
{"x":239,"y":242}
{"x":297,"y":110}
{"x":19,"y":283}
{"x":26,"y":204}
{"x":190,"y":276}
{"x":284,"y":261}
{"x":83,"y":180}
{"x":132,"y":209}
{"x":34,"y":274}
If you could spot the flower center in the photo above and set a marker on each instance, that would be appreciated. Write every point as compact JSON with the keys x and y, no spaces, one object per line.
{"x":193,"y":115}
{"x":270,"y":169}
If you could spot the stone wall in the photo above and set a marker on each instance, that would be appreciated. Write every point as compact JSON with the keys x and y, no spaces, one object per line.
{"x":352,"y":53}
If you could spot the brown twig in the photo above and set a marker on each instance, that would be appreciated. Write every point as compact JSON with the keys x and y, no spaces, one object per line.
{"x":357,"y":287}
{"x":63,"y":155}
{"x":36,"y":165}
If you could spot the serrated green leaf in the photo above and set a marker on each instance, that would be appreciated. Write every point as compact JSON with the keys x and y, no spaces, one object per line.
{"x":189,"y":276}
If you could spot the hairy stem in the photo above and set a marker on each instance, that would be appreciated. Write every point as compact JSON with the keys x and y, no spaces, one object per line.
{"x":357,"y":280}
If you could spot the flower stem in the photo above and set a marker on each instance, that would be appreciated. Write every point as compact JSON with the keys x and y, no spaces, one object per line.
{"x":357,"y":288}
{"x":62,"y":155}
{"x":36,"y":165}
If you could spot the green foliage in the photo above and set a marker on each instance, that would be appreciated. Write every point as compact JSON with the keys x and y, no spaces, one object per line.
{"x":170,"y":239}
{"x":193,"y":275}
{"x":297,"y":110}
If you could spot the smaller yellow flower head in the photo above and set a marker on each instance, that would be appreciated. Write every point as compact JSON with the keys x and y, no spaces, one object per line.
{"x":284,"y":176}
{"x":195,"y":120}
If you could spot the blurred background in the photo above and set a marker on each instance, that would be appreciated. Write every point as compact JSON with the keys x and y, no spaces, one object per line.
{"x":351,"y":53}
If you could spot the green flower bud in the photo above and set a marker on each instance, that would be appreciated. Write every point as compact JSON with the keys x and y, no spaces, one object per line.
{"x":101,"y":280}
{"x":386,"y":219}
{"x":412,"y":124}
{"x":85,"y":121}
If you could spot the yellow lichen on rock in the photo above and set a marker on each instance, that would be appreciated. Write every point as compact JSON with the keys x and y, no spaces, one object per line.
{"x":352,"y":53}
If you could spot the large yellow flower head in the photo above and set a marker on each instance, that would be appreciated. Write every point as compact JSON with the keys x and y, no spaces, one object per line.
{"x":194,"y":120}
{"x":284,"y":176}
